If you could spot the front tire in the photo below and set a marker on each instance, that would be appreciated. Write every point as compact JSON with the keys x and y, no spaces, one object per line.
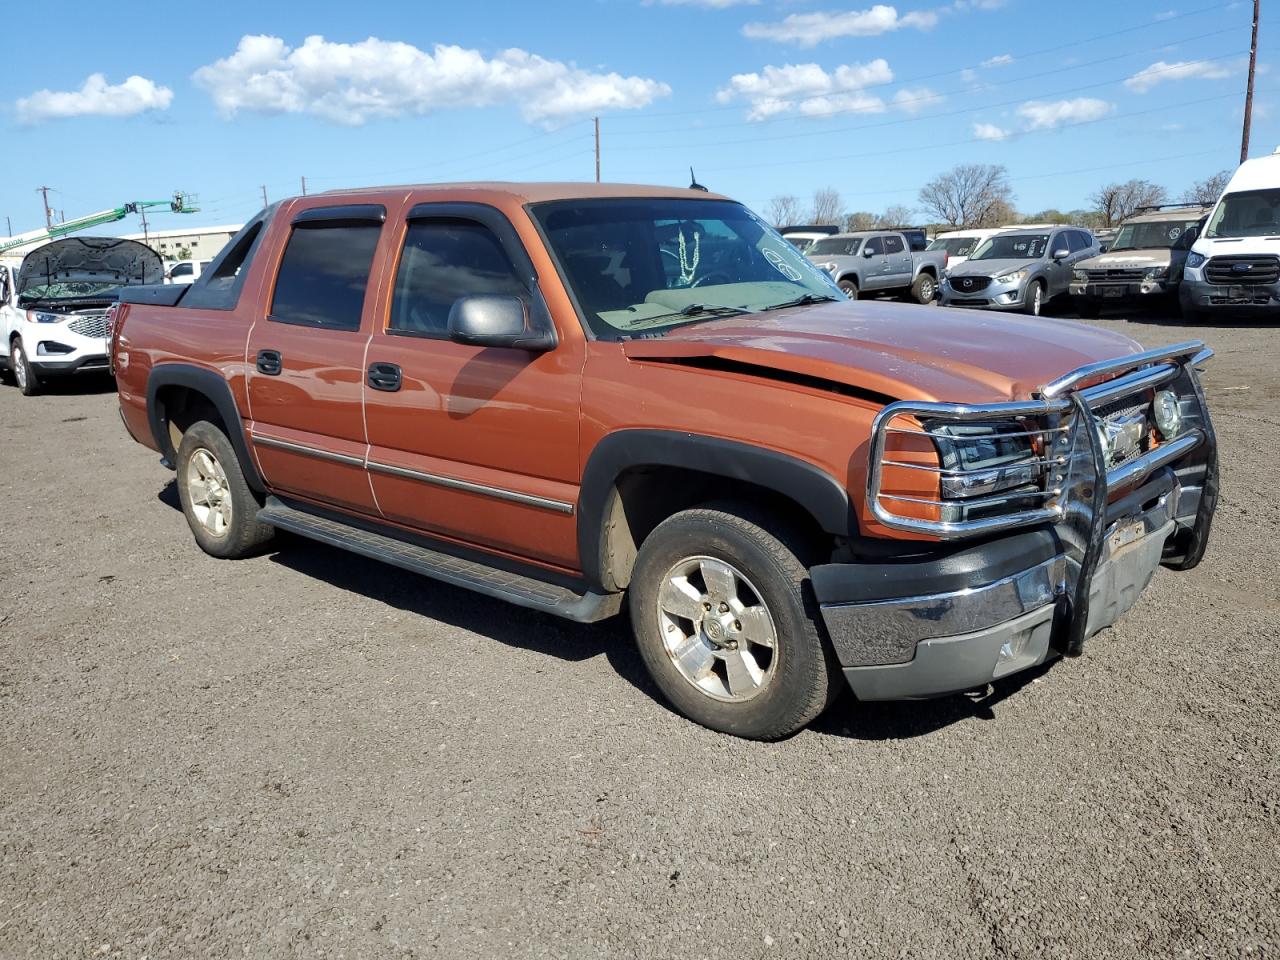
{"x":723,"y":621}
{"x":924,"y":289}
{"x":23,"y":373}
{"x":850,"y":288}
{"x":1034,"y":299}
{"x":216,"y":500}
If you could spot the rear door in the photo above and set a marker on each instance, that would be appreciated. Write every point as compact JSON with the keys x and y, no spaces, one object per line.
{"x":471,"y":443}
{"x":875,"y":264}
{"x":305,"y":358}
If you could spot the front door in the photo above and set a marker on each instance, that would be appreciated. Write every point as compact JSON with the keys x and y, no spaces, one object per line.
{"x":305,"y":359}
{"x":897,"y":261}
{"x":876,"y":264}
{"x":474,"y":444}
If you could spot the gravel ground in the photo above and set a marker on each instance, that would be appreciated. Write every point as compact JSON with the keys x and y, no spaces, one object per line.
{"x":309,"y":754}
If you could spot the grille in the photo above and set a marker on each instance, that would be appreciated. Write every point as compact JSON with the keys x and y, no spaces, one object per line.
{"x":969,"y":284}
{"x":90,"y":325}
{"x":1243,"y":269}
{"x":1116,"y":274}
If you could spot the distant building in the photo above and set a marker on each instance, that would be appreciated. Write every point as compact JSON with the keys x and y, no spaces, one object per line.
{"x":203,"y":242}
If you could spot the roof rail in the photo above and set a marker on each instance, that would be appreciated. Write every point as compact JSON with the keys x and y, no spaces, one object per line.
{"x":1167,"y":206}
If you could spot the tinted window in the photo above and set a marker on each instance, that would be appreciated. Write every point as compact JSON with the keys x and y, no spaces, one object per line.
{"x":836,"y":246}
{"x":442,"y":261}
{"x":219,"y":289}
{"x":875,"y":247}
{"x":181,"y":270}
{"x":1075,"y":241}
{"x":323,"y":275}
{"x":893,"y":245}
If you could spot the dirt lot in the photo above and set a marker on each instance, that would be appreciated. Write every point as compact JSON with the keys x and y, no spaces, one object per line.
{"x":309,"y":754}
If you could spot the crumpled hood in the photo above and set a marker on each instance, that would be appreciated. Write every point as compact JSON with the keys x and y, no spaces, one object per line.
{"x":90,"y":259}
{"x":1128,"y":260}
{"x":991,"y":268}
{"x":896,"y":350}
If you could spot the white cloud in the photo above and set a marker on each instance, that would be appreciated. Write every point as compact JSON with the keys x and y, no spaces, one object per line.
{"x":808,"y":89}
{"x":998,"y":61}
{"x":95,"y":98}
{"x":989,"y":131}
{"x":968,"y":76}
{"x":915,"y":99}
{"x":351,"y":83}
{"x":1046,"y":114}
{"x":1160,"y":72}
{"x":809,"y":29}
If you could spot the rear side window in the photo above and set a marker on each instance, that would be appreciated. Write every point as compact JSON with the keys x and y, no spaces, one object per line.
{"x":442,"y":261}
{"x":220,"y":289}
{"x":893,"y":245}
{"x":324,"y":274}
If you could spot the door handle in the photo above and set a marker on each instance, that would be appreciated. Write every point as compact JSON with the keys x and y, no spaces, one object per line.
{"x":384,"y":376}
{"x":270,"y":362}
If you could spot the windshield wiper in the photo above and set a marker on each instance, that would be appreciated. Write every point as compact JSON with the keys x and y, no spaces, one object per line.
{"x":801,"y":301}
{"x":692,"y":310}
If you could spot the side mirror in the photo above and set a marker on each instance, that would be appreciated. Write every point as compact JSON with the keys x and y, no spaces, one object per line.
{"x":490,"y":320}
{"x":1061,"y":253}
{"x":868,"y":253}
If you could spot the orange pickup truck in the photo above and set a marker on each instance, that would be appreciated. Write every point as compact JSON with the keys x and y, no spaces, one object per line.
{"x":564,"y":395}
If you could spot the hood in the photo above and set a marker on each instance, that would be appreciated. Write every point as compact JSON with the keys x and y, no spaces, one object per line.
{"x":992,"y":268}
{"x":898,"y":351}
{"x":1128,"y":259}
{"x":89,"y":260}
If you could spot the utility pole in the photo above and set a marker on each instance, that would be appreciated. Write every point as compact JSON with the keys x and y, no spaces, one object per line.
{"x":264,"y":196}
{"x":62,"y":216}
{"x":8,"y":224}
{"x":143,"y":212}
{"x":48,"y":214}
{"x":1248,"y":96}
{"x":304,"y":186}
{"x":597,"y":121}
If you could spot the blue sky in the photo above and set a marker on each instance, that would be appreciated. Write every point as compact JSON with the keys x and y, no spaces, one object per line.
{"x":761,"y":98}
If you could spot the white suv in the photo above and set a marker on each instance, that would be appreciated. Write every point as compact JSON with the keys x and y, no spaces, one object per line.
{"x":54,"y":319}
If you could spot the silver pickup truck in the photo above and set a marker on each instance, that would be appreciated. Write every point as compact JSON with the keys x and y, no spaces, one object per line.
{"x":878,"y":261}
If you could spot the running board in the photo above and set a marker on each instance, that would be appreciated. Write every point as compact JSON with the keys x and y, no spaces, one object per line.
{"x":501,"y":584}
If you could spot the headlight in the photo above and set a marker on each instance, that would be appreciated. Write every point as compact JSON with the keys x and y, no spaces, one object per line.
{"x":981,"y":460}
{"x":41,"y":316}
{"x":1167,"y":412}
{"x":1195,"y":260}
{"x":1012,"y":277}
{"x":1155,"y":273}
{"x":1079,"y":276}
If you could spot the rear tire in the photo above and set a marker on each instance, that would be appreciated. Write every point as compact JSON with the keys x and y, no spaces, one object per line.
{"x":216,"y":500}
{"x":724,"y":620}
{"x":23,"y":374}
{"x":924,"y":289}
{"x":850,"y":288}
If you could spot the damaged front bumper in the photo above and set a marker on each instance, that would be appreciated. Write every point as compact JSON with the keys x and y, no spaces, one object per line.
{"x":968,"y":616}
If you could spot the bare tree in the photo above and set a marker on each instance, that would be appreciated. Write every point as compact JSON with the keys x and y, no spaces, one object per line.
{"x":827,"y":206}
{"x":895,"y":216}
{"x":862,"y":220}
{"x":1117,"y":201}
{"x":970,"y":195}
{"x":783,"y":211}
{"x":1207,"y":191}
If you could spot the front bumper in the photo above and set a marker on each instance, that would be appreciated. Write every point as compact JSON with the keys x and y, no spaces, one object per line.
{"x":996,"y":296}
{"x":65,"y":364}
{"x":966,"y":616}
{"x":1124,"y":290}
{"x":1252,"y":299}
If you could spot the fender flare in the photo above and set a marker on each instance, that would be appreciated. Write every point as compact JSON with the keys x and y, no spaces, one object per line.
{"x":815,"y":490}
{"x":210,"y":384}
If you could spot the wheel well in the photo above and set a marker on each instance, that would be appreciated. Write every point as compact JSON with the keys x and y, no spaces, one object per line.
{"x":930,"y":271}
{"x":643,"y":497}
{"x":180,"y":407}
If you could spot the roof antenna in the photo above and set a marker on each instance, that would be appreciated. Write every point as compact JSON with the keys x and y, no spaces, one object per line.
{"x":694,"y":184}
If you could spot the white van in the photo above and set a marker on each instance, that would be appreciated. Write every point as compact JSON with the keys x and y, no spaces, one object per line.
{"x":958,"y":244}
{"x":1234,"y":266}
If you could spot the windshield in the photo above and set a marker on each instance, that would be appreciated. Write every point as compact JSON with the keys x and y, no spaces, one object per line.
{"x":835,"y":247}
{"x":1158,"y":235}
{"x":956,"y":246}
{"x":71,"y":290}
{"x":1252,"y":213}
{"x":1018,"y":246}
{"x":640,"y":266}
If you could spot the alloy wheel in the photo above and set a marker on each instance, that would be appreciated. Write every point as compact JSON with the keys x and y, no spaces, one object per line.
{"x":717,"y":629}
{"x":209,"y":492}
